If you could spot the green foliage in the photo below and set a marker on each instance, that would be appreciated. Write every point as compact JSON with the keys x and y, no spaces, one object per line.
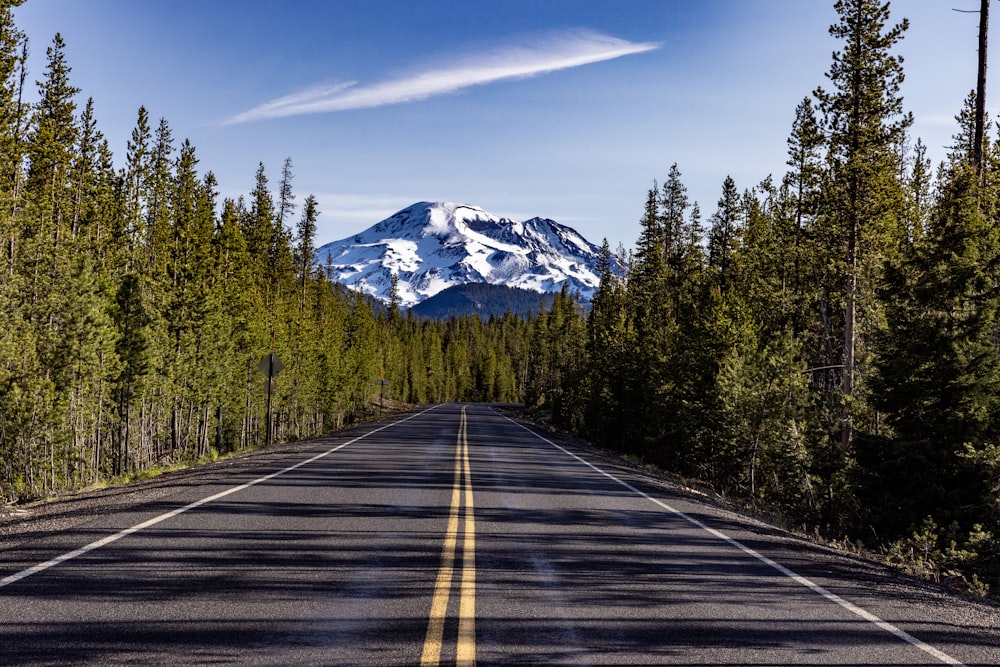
{"x":862,"y":222}
{"x":134,"y":309}
{"x":826,"y":349}
{"x":938,"y":378}
{"x":484,"y":300}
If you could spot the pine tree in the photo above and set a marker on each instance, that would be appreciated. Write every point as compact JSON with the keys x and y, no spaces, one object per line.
{"x":673,"y":206}
{"x":393,"y":310}
{"x":188,"y":273}
{"x":804,"y":181}
{"x":938,"y":375}
{"x":305,"y":246}
{"x":50,"y":147}
{"x":568,"y":330}
{"x":286,"y":196}
{"x":918,"y":193}
{"x":244,"y":310}
{"x":135,"y":187}
{"x":21,"y":397}
{"x":13,"y":53}
{"x":764,"y":283}
{"x":694,"y":233}
{"x":362,"y":364}
{"x":50,"y":274}
{"x":608,"y":339}
{"x":258,"y":224}
{"x":724,"y":235}
{"x":864,"y":120}
{"x":157,"y":191}
{"x":650,"y":306}
{"x":96,"y":214}
{"x":963,"y":148}
{"x":649,"y":269}
{"x":760,"y":447}
{"x":83,"y":382}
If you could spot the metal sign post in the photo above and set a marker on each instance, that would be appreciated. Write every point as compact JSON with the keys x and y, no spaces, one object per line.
{"x":270,"y":366}
{"x":381,"y":387}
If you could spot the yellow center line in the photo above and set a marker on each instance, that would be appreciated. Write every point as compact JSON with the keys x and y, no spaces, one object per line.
{"x":466,"y":649}
{"x":434,"y":639}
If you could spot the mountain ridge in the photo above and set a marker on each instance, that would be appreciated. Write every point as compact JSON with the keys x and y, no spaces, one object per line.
{"x":431,"y":246}
{"x":484,"y":300}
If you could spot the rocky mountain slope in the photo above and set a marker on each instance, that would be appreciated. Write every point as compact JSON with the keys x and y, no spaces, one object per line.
{"x":434,"y":246}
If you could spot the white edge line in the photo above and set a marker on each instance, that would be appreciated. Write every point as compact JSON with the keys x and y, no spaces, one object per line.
{"x":803,"y":581}
{"x":104,"y":541}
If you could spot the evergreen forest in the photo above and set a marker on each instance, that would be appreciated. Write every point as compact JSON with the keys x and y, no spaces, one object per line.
{"x":823,"y":345}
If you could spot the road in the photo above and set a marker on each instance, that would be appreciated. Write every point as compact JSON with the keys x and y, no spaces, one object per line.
{"x":451,"y":535}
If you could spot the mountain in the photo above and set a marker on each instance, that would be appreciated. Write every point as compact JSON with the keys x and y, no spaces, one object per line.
{"x":434,"y":246}
{"x":482,"y":299}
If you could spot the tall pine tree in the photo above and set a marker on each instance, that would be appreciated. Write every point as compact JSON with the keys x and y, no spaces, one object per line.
{"x":864,"y":120}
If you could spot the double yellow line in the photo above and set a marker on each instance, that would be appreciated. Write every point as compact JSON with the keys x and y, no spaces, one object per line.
{"x":465,"y":650}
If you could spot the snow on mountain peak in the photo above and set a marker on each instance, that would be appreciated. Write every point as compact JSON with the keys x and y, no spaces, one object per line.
{"x":431,"y":246}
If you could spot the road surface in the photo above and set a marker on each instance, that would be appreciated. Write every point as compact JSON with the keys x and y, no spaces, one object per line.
{"x":451,"y":535}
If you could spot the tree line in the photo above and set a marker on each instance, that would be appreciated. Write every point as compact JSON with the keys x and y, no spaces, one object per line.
{"x":135,"y":305}
{"x":825,"y":344}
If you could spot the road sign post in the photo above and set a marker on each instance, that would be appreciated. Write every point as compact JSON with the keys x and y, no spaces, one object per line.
{"x":381,"y":387}
{"x":270,"y":365}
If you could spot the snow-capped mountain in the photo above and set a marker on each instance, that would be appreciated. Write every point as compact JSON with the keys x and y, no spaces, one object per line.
{"x":433,"y":246}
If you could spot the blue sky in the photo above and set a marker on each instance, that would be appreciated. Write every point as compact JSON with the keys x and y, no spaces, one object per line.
{"x":562,"y":109}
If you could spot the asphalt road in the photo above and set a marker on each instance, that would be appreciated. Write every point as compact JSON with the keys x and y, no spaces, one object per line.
{"x":449,"y":536}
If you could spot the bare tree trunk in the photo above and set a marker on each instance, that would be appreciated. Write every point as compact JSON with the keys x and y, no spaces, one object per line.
{"x":977,"y":149}
{"x":850,"y":336}
{"x":174,"y":429}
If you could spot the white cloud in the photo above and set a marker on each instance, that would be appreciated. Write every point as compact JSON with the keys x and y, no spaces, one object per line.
{"x":549,"y":54}
{"x":295,"y":100}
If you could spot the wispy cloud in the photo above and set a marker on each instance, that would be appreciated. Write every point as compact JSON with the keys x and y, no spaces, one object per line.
{"x":551,"y":53}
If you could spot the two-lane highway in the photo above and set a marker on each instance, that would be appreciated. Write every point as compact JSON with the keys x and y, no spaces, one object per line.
{"x":454,"y":536}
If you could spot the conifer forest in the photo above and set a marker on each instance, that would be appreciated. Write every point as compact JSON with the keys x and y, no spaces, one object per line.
{"x":823,"y":344}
